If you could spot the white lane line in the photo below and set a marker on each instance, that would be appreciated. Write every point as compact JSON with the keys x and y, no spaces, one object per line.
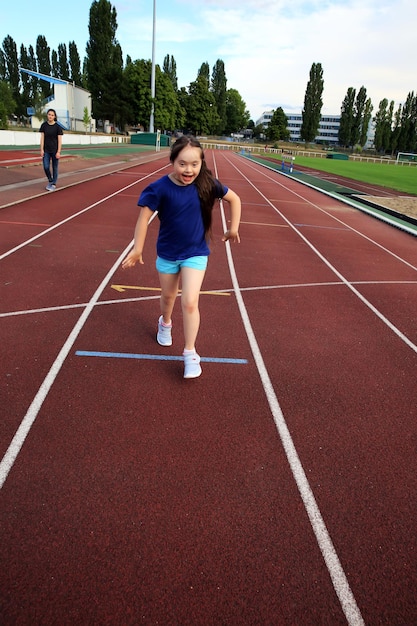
{"x":26,"y":424}
{"x":81,"y":305}
{"x":331,"y":267}
{"x":319,"y":208}
{"x":23,"y":430}
{"x":71,"y":217}
{"x":334,"y":567}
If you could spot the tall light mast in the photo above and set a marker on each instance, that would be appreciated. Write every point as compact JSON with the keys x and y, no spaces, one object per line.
{"x":151,"y":120}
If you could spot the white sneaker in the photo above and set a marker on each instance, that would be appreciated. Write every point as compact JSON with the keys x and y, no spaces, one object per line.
{"x":192,"y":367}
{"x":163,"y":336}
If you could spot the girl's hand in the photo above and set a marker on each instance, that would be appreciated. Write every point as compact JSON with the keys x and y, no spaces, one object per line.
{"x":131,"y":260}
{"x":231,"y":236}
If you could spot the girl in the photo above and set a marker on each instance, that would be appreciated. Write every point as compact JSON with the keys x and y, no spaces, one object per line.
{"x":51,"y":143}
{"x":184,"y":200}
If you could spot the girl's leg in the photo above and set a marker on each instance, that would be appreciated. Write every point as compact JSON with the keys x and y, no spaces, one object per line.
{"x":191,"y":281}
{"x":55,"y":162}
{"x":169,"y":291}
{"x":46,"y":165}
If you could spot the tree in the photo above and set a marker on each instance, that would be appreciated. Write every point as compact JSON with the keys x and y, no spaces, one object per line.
{"x":259,"y":132}
{"x":12,"y":74}
{"x":137,"y":79}
{"x":168,"y":114}
{"x":74,"y":64}
{"x":277,"y":128}
{"x":54,"y":64}
{"x":367,"y":114}
{"x":7,"y":104}
{"x":44,"y":64}
{"x":204,"y":72}
{"x":388,"y":127}
{"x":25,"y":78}
{"x":30,"y":84}
{"x":358,"y":112}
{"x":407,"y":135}
{"x":166,"y":102}
{"x":355,"y":116}
{"x":395,"y":135}
{"x":2,"y":65}
{"x":63,"y":68}
{"x":170,"y":69}
{"x":104,"y":64}
{"x":86,"y":119}
{"x":312,"y":104}
{"x":237,"y":115}
{"x":383,"y":121}
{"x":183,"y":101}
{"x":346,"y":118}
{"x":202,"y":116}
{"x":412,"y":130}
{"x":117,"y":94}
{"x":219,"y":89}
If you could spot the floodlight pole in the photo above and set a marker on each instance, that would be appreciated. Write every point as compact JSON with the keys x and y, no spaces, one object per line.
{"x":151,"y":120}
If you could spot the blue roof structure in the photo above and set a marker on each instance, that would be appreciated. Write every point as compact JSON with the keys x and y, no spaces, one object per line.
{"x":48,"y":79}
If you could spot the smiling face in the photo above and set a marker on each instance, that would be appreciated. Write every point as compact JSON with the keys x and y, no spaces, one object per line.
{"x":187,"y":165}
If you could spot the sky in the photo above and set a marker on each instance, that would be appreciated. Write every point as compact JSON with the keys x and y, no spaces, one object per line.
{"x":267,"y":46}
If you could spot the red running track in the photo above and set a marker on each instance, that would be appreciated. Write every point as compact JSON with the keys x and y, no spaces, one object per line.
{"x":278,"y":488}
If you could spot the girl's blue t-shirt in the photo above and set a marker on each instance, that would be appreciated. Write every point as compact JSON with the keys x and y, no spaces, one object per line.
{"x":181,"y":231}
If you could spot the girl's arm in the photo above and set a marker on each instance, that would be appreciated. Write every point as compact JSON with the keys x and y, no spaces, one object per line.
{"x":135,"y":255}
{"x":235,"y":211}
{"x":42,"y":143}
{"x":58,"y":152}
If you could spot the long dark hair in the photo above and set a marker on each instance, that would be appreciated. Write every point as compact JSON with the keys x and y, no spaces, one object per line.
{"x":205,"y":181}
{"x":54,"y":112}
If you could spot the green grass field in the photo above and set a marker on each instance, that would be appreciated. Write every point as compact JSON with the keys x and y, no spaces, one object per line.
{"x":100,"y":151}
{"x":400,"y":177}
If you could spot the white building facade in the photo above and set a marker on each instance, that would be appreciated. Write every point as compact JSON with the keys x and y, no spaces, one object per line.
{"x":328,"y":133}
{"x":328,"y":127}
{"x":69,"y":101}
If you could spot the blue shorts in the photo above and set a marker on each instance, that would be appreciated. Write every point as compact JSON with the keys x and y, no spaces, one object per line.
{"x":173,"y":267}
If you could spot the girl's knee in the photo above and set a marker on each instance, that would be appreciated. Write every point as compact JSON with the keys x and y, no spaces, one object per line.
{"x":168,"y":301}
{"x":189,"y":306}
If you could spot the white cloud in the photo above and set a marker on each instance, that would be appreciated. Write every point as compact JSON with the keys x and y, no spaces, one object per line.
{"x":268,"y":55}
{"x":268,"y":46}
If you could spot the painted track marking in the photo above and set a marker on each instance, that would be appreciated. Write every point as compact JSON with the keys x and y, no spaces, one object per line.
{"x":331,"y":559}
{"x":82,"y":305}
{"x":331,"y":267}
{"x":155,"y":357}
{"x":22,"y":432}
{"x":350,"y":608}
{"x":316,"y":206}
{"x":71,"y":217}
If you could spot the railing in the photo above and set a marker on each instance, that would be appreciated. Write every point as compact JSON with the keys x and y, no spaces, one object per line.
{"x":120,"y":139}
{"x":289,"y":153}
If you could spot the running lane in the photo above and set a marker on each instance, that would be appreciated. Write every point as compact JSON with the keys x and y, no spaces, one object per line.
{"x":278,"y":487}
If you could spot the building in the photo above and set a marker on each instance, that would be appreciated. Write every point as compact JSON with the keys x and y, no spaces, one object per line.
{"x":328,"y":126}
{"x":69,"y":103}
